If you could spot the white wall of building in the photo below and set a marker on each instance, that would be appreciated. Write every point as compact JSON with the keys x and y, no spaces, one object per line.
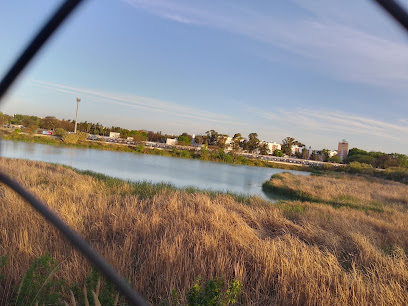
{"x":171,"y":141}
{"x":114,"y":135}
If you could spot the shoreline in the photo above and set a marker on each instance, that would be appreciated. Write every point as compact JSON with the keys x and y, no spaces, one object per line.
{"x":214,"y":156}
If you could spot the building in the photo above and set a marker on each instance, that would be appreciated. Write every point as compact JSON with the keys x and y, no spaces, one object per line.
{"x":342,"y":151}
{"x":114,"y":135}
{"x":171,"y":141}
{"x":272,"y":146}
{"x":296,"y":149}
{"x":332,"y":153}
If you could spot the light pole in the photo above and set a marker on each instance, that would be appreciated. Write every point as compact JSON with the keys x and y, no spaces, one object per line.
{"x":76,"y":116}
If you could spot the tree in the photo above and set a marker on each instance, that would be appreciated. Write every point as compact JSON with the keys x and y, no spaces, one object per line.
{"x":305,"y":153}
{"x":355,"y":151}
{"x":253,"y":142}
{"x":334,"y":159}
{"x":278,"y":153}
{"x":325,"y":154}
{"x":155,"y":137}
{"x":237,"y":142}
{"x":263,"y":149}
{"x":315,"y":156}
{"x":287,"y":144}
{"x":138,"y":137}
{"x":221,"y":141}
{"x":60,"y":132}
{"x":48,"y":123}
{"x":201,"y":139}
{"x":362,"y":159}
{"x":124,"y":133}
{"x":212,"y":137}
{"x":184,"y":139}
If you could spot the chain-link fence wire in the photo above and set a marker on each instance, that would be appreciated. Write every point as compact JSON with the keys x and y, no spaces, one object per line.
{"x":73,"y":237}
{"x":392,"y":7}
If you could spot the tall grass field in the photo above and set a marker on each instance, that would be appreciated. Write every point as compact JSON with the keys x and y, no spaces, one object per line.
{"x":342,"y":240}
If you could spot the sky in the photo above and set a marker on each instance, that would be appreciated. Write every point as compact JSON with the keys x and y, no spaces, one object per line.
{"x":319,"y":71}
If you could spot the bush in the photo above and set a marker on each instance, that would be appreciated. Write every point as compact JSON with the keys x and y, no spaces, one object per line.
{"x":82,"y":136}
{"x":205,"y":154}
{"x":334,"y":159}
{"x":213,"y":293}
{"x":356,"y":167}
{"x":38,"y":284}
{"x":70,"y":138}
{"x":60,"y":132}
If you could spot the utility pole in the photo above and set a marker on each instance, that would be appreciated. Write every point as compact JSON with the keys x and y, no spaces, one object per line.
{"x":76,"y":116}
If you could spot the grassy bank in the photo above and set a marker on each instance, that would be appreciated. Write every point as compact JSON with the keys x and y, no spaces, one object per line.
{"x":214,"y":156}
{"x":161,"y":238}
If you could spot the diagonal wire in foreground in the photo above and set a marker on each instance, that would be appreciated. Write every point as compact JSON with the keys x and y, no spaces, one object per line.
{"x":392,"y":7}
{"x":74,"y":238}
{"x":396,"y":11}
{"x":42,"y":36}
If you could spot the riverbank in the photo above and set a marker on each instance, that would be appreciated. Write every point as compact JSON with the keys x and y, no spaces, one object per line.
{"x":215,"y":156}
{"x":161,"y":238}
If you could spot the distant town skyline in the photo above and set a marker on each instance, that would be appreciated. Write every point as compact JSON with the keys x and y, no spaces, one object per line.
{"x":317,"y":72}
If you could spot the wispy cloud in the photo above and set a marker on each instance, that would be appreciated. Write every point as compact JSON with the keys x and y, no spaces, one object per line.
{"x":153,"y":106}
{"x":329,"y":41}
{"x":309,"y":121}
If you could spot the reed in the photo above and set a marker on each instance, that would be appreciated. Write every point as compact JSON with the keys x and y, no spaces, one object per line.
{"x":291,"y":253}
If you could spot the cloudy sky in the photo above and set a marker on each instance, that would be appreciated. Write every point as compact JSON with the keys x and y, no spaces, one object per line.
{"x":319,"y":70}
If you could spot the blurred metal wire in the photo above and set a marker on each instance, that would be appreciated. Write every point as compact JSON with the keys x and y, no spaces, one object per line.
{"x":396,"y":11}
{"x":74,"y":238}
{"x":392,"y":7}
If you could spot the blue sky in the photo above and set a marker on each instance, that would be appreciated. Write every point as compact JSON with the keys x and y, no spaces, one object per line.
{"x":319,"y":71}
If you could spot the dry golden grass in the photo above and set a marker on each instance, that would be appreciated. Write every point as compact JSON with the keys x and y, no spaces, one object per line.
{"x":294,"y":253}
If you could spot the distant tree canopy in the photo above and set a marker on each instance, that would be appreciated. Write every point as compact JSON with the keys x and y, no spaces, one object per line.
{"x":237,"y":142}
{"x":253,"y":143}
{"x":263,"y":149}
{"x":288,"y":143}
{"x":377,"y":159}
{"x":277,"y":153}
{"x":155,"y":137}
{"x":184,"y":139}
{"x":211,"y":138}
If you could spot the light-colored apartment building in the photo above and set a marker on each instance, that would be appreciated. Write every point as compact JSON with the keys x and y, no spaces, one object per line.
{"x":342,"y":151}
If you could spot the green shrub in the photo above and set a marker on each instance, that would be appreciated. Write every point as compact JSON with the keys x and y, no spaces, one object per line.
{"x":214,"y":292}
{"x":356,"y":167}
{"x":70,"y":138}
{"x":106,"y":293}
{"x":334,"y":159}
{"x":38,"y":284}
{"x":82,"y":136}
{"x":60,"y":132}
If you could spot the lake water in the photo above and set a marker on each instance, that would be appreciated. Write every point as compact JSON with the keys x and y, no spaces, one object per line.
{"x":140,"y":167}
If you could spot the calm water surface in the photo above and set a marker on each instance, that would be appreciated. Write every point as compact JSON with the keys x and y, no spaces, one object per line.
{"x":139,"y":167}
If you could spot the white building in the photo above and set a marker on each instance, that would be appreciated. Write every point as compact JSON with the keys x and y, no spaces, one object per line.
{"x":332,"y":153}
{"x":272,"y":146}
{"x":171,"y":141}
{"x":114,"y":135}
{"x":295,"y":149}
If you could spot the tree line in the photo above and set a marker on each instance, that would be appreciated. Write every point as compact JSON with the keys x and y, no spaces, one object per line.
{"x":210,"y":140}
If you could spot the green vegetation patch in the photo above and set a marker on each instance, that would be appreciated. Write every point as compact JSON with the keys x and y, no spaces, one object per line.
{"x":342,"y":201}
